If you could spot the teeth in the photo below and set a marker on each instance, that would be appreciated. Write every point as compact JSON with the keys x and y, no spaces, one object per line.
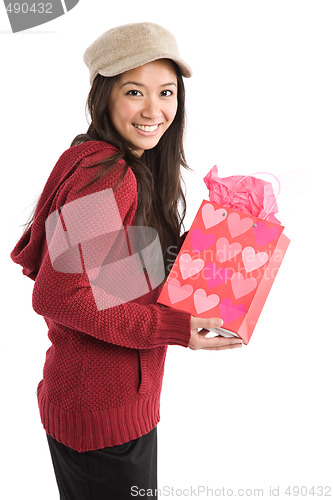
{"x":146,"y":128}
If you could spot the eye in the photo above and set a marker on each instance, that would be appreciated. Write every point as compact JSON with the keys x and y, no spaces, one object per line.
{"x":166,"y":93}
{"x":133,"y":93}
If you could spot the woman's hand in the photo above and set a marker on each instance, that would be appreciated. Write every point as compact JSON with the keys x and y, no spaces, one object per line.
{"x":199,"y":341}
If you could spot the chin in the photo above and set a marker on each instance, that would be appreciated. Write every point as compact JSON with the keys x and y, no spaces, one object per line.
{"x":146,"y":146}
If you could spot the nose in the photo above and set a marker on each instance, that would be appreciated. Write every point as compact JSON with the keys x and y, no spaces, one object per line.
{"x":151,"y":109}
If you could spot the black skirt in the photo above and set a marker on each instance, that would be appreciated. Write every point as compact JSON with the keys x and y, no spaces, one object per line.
{"x":120,"y":472}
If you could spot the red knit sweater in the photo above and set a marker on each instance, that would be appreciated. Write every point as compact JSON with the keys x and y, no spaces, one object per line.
{"x":103,"y":373}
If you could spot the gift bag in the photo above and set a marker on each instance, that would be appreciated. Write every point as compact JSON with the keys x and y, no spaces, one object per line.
{"x":230,"y":257}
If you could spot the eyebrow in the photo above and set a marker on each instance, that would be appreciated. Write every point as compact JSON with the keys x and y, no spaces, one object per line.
{"x":142,"y":85}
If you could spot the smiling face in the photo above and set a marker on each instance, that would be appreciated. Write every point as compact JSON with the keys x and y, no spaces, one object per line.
{"x":143,"y":104}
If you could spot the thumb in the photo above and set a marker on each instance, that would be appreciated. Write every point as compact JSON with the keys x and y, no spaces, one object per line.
{"x":205,"y":322}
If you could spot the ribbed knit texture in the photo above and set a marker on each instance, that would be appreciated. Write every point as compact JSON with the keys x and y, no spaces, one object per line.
{"x":103,"y":373}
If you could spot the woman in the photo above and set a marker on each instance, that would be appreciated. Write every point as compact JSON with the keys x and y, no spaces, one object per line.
{"x":97,"y":280}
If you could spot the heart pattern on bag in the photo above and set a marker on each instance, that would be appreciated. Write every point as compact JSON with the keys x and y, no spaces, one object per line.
{"x":253,"y":260}
{"x":242,"y":286}
{"x":177,"y":292}
{"x":188,"y":266}
{"x":238,"y":259}
{"x":237,"y":225}
{"x":204,"y":302}
{"x":226,"y":251}
{"x":264,"y":234}
{"x":230,"y":312}
{"x":200,"y":241}
{"x":212,"y":217}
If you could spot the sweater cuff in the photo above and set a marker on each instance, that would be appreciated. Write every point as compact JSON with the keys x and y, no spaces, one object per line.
{"x":173,"y":327}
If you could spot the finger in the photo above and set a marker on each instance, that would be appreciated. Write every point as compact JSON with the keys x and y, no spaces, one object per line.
{"x":220,"y":348}
{"x":223,"y":348}
{"x":206,"y":322}
{"x":218,"y":342}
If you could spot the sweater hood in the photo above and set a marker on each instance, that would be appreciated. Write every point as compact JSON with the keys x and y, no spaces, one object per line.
{"x":28,"y":251}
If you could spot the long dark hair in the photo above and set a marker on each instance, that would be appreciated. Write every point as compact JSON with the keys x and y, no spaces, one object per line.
{"x":157,"y":171}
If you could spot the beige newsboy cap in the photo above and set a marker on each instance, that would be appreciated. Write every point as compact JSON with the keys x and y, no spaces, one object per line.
{"x":129,"y":46}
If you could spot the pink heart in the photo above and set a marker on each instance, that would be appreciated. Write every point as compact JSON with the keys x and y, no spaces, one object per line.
{"x":252,"y":260}
{"x":199,"y":241}
{"x":241,"y":286}
{"x":215,"y":276}
{"x":225,"y":251}
{"x":229,"y":312}
{"x":177,"y":292}
{"x":189,"y":267}
{"x":211,"y":217}
{"x":237,"y":225}
{"x":264,"y":234}
{"x":204,"y":302}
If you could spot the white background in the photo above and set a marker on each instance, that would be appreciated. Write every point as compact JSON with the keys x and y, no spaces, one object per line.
{"x":260,"y":100}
